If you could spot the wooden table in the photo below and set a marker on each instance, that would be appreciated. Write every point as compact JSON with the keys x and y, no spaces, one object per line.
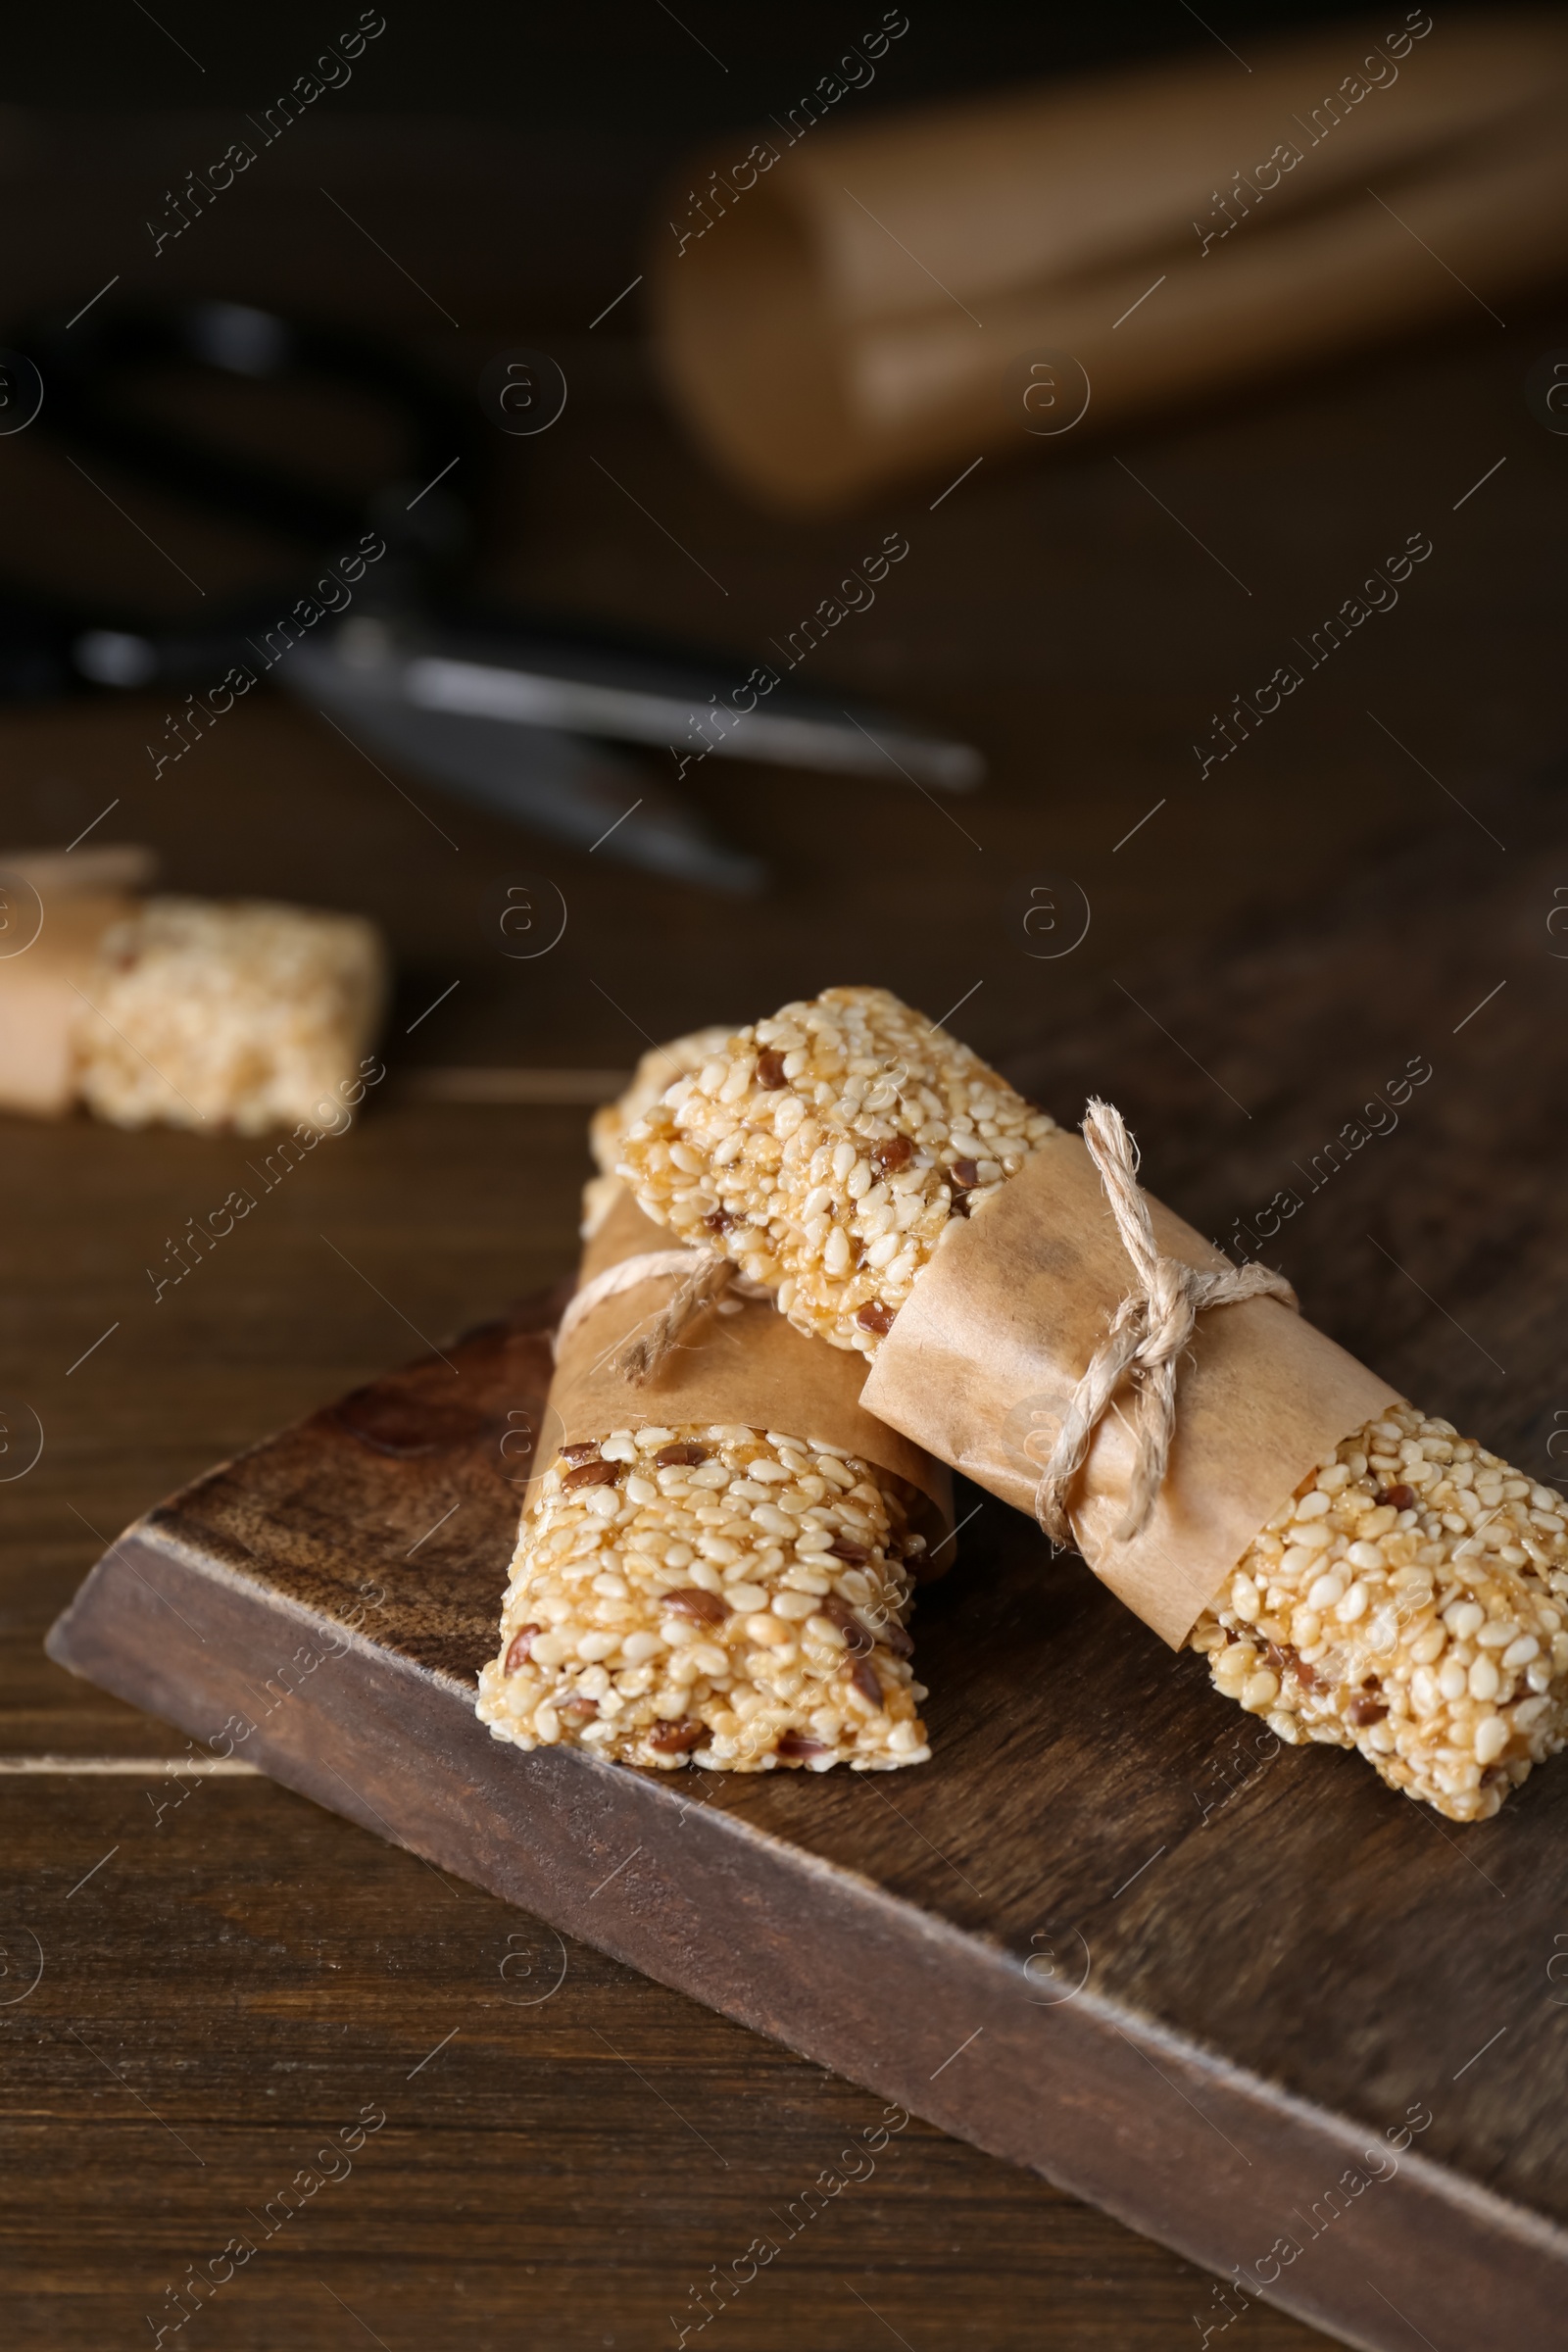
{"x":229,"y":1977}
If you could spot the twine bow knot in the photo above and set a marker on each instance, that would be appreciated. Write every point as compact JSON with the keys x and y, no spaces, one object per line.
{"x":1147,"y":1336}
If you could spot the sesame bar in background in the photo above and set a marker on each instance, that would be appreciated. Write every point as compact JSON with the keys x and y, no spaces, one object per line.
{"x":243,"y":1015}
{"x":189,"y":1012}
{"x":1407,"y":1598}
{"x":718,"y":1593}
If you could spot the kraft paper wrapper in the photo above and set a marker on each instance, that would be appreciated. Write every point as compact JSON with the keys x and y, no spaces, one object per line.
{"x":60,"y":907}
{"x":808,"y":341}
{"x":992,"y":1342}
{"x":749,"y":1368}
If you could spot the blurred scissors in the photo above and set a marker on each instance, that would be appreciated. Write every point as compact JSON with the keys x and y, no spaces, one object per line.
{"x":524,"y":714}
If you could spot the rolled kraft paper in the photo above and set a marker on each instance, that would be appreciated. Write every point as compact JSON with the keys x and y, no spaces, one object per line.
{"x":983,"y":1360}
{"x":744,"y":1368}
{"x":807,"y":335}
{"x":45,"y":990}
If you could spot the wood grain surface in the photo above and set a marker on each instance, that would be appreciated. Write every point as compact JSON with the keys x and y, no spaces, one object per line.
{"x":246,"y":1971}
{"x":1077,"y":1876}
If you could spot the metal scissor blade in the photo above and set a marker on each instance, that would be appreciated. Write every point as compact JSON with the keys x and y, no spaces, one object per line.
{"x":694,"y":704}
{"x":637,"y":701}
{"x":564,"y":784}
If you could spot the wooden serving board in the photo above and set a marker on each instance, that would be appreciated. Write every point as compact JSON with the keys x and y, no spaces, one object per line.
{"x":1244,"y":1997}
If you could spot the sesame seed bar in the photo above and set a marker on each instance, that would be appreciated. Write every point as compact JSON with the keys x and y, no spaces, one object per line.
{"x":724,"y":1596}
{"x":826,"y":1151}
{"x":246,"y":1014}
{"x":658,"y":1070}
{"x":1411,"y":1601}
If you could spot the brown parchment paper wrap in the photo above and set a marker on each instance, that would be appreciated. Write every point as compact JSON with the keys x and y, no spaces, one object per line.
{"x":748,"y":1367}
{"x":867,"y":304}
{"x":54,"y":908}
{"x":989,"y":1347}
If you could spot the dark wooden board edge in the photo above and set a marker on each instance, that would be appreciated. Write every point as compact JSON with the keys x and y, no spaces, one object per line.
{"x":1177,"y":2143}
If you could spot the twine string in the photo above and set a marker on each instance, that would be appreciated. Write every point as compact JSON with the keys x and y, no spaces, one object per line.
{"x":701,"y":1277}
{"x":1148,"y":1333}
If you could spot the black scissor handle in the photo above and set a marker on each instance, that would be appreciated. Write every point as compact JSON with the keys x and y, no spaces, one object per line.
{"x":90,"y":370}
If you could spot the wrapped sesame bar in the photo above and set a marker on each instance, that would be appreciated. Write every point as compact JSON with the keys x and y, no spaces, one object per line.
{"x":687,"y":1588}
{"x":827,"y":1150}
{"x":185,"y":1011}
{"x":1398,"y":1589}
{"x":1410,"y":1601}
{"x":714,"y":1594}
{"x":658,"y":1070}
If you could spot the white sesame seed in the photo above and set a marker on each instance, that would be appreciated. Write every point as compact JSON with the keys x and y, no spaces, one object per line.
{"x":846,"y":1054}
{"x":1383,"y":1680}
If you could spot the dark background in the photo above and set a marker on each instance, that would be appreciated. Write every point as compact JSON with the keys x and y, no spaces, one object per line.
{"x":1052,"y":611}
{"x":1060,"y":614}
{"x":624,"y":68}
